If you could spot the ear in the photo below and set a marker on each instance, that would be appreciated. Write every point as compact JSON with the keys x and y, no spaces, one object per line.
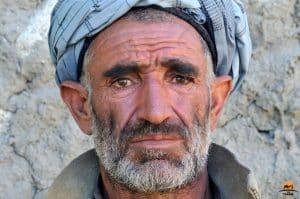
{"x":76,"y":98}
{"x":220,"y":91}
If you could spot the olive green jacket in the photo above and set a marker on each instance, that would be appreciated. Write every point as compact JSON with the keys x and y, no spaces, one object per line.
{"x":228,"y":178}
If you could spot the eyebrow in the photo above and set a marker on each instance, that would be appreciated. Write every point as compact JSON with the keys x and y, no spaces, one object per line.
{"x":181,"y":67}
{"x":121,"y":70}
{"x":176,"y":65}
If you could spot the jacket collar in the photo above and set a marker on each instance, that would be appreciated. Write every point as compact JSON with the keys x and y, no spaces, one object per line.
{"x":230,"y":177}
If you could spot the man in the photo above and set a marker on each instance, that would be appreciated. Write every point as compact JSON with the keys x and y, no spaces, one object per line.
{"x":148,"y":80}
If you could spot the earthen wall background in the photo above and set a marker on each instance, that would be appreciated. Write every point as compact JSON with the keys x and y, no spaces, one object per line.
{"x":38,"y":137}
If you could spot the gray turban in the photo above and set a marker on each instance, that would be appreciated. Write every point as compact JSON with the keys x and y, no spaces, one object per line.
{"x":73,"y":22}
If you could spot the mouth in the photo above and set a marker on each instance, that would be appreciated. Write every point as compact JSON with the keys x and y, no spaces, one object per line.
{"x":157,"y":141}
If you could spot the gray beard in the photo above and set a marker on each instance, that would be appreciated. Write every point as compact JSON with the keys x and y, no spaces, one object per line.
{"x":156,"y":171}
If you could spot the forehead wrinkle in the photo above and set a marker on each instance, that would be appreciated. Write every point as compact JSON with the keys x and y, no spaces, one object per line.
{"x":131,"y":45}
{"x":150,"y":43}
{"x":128,"y":45}
{"x":140,"y":41}
{"x":163,"y":46}
{"x":151,"y":58}
{"x":191,"y":32}
{"x":145,"y":51}
{"x":126,"y":24}
{"x":114,"y":32}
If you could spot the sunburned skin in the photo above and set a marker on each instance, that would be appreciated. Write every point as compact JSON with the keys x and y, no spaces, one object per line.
{"x":151,"y":92}
{"x":153,"y":72}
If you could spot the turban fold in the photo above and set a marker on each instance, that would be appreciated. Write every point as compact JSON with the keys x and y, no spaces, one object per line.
{"x":222,"y":23}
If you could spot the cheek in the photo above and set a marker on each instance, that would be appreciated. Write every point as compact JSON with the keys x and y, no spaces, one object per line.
{"x":122,"y":110}
{"x":119,"y":110}
{"x":192,"y":104}
{"x":100,"y":105}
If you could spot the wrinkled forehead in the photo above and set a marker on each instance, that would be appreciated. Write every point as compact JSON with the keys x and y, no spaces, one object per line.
{"x":131,"y":30}
{"x":136,"y":24}
{"x":145,"y":43}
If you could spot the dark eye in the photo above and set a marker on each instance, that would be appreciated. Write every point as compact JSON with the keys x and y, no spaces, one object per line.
{"x":122,"y":83}
{"x":180,"y":79}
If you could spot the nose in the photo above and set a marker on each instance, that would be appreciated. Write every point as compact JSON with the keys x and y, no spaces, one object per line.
{"x":154,"y":103}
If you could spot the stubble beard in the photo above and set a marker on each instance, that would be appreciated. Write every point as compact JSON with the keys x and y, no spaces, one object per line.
{"x":156,"y":170}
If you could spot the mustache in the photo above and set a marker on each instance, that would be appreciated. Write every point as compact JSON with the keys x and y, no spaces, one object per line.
{"x":144,"y":128}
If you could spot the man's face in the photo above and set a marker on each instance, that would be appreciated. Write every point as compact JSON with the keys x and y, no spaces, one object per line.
{"x":150,"y":102}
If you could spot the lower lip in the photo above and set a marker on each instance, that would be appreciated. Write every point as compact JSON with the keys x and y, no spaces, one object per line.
{"x":157,"y":144}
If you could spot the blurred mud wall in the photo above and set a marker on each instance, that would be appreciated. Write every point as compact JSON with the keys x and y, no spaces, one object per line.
{"x":38,"y":137}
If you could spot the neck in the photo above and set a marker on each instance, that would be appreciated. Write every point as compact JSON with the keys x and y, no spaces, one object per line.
{"x":199,"y":189}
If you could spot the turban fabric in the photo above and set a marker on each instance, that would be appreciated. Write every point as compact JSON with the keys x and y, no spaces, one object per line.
{"x":222,"y":23}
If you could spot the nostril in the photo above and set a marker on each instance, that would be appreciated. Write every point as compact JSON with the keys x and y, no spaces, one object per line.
{"x":154,"y":112}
